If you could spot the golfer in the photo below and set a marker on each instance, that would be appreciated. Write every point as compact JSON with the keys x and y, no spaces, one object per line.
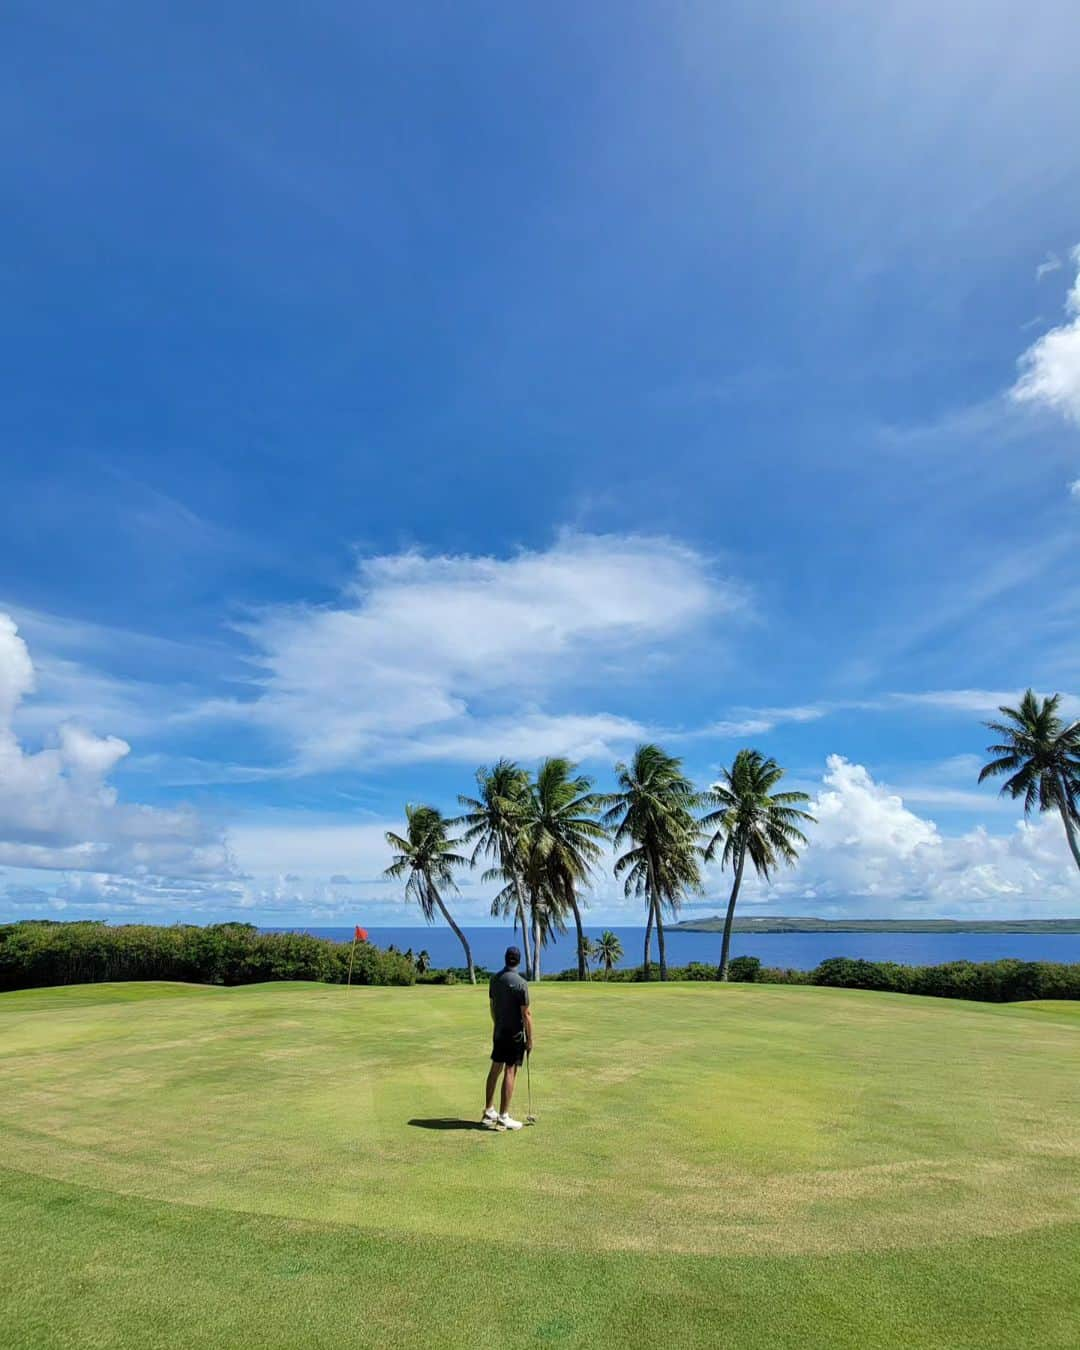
{"x":511,"y":1016}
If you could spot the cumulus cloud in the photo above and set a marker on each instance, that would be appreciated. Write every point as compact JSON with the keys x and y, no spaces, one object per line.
{"x":58,"y":810}
{"x":871,"y":854}
{"x":456,"y":657}
{"x":1074,"y":488}
{"x":1050,"y":368}
{"x":81,"y":895}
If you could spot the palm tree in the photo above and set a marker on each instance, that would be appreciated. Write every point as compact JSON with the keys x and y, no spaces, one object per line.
{"x":1041,"y":755}
{"x":495,"y":822}
{"x":753,"y":821}
{"x":563,"y":839}
{"x":653,"y":811}
{"x":608,"y":950}
{"x":425,"y":855}
{"x":546,"y":909}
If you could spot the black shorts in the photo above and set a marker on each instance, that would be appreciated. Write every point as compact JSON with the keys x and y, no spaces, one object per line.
{"x":508,"y":1050}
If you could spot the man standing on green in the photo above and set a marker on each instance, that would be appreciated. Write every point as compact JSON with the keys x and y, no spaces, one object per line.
{"x":508,"y":994}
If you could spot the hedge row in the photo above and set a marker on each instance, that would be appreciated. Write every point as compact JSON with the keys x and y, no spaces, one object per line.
{"x":1007,"y":981}
{"x":989,"y":981}
{"x":35,"y":953}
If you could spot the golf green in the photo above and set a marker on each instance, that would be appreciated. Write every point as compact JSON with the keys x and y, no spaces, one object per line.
{"x":297,"y":1165}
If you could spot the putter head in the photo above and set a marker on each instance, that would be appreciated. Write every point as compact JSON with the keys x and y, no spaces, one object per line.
{"x":530,"y":1119}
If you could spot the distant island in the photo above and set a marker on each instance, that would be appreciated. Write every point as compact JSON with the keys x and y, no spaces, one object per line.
{"x":784,"y":924}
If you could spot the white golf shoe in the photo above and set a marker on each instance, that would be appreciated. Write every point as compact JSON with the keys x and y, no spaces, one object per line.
{"x":507,"y":1122}
{"x":490,"y":1118}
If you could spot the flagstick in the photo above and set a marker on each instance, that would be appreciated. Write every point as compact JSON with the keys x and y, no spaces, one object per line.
{"x":348,"y":984}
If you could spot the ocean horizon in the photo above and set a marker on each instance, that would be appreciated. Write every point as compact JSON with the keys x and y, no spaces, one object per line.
{"x":797,"y":951}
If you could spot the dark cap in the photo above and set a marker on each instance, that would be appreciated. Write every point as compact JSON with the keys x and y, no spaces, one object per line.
{"x":512,"y":957}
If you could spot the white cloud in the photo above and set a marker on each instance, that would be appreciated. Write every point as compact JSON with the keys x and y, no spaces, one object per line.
{"x":454,"y":657}
{"x":1051,"y":263}
{"x":978,"y":701}
{"x":1074,"y":488}
{"x":759,"y":721}
{"x":59,"y":812}
{"x":1050,"y":368}
{"x":527,"y":736}
{"x":72,"y":681}
{"x":289,"y":844}
{"x":870,"y":853}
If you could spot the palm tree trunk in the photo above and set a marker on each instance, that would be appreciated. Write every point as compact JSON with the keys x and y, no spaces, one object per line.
{"x":536,"y":941}
{"x":659,"y":922}
{"x":580,"y":932}
{"x":506,"y":853}
{"x":525,"y":949}
{"x":660,"y":943}
{"x":460,"y":935}
{"x":725,"y":947}
{"x":648,"y":940}
{"x":1064,"y":801}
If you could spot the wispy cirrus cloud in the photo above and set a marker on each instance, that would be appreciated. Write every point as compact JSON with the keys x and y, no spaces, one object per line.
{"x":977,"y":701}
{"x":755,"y":721}
{"x":459,"y":657}
{"x":1051,"y":263}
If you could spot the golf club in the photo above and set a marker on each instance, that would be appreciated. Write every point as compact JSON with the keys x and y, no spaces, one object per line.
{"x":530,"y":1119}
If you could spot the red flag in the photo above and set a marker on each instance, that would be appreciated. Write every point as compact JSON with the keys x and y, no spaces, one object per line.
{"x":361,"y":934}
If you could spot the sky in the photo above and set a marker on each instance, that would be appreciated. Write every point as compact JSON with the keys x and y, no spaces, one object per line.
{"x":387,"y":389}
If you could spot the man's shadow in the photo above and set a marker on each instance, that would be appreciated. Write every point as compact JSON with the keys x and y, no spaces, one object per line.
{"x":449,"y":1123}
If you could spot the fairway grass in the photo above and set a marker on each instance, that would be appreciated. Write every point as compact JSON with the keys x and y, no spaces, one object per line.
{"x":298,"y":1165}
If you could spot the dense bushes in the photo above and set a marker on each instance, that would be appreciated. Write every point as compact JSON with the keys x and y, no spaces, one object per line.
{"x":453,"y":975}
{"x":744,"y":969}
{"x":37,"y":953}
{"x":696,"y":970}
{"x":987,"y":982}
{"x":1008,"y":981}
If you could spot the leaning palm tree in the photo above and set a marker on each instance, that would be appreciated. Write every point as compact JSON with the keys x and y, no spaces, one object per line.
{"x":1041,"y":755}
{"x":653,"y":812}
{"x":753,"y":821}
{"x":495,"y":823}
{"x":608,"y":950}
{"x":426,"y":856}
{"x":563,"y":840}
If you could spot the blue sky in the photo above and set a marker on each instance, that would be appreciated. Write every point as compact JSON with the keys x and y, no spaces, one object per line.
{"x":385,"y":391}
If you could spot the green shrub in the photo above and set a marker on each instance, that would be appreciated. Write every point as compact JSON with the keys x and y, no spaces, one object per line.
{"x":784,"y":975}
{"x":698,"y":970}
{"x":33,"y":954}
{"x":744,"y":969}
{"x":1008,"y":981}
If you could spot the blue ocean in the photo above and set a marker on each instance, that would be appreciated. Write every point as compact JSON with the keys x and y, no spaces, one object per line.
{"x":800,"y":951}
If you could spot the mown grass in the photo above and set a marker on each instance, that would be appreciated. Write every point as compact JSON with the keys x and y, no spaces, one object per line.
{"x":293,"y":1165}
